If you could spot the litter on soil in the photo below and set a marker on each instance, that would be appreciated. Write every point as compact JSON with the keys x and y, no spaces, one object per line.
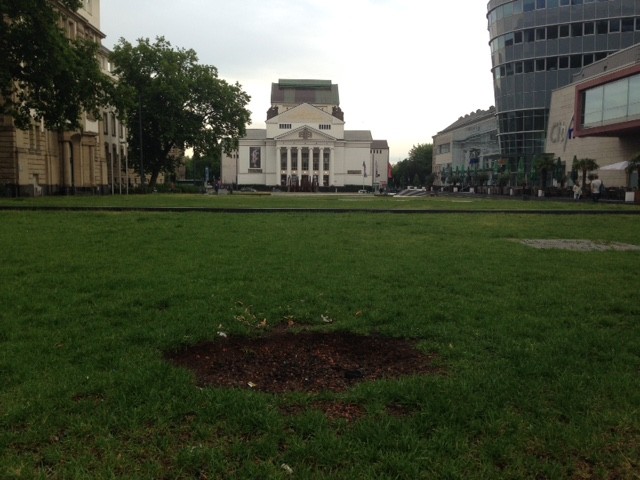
{"x":302,"y":362}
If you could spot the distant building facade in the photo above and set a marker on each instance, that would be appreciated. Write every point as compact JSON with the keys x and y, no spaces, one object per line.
{"x":305,"y":145}
{"x":469,"y":143}
{"x":598,"y":116}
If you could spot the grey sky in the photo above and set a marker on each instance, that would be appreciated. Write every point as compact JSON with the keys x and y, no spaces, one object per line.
{"x":406,"y":68}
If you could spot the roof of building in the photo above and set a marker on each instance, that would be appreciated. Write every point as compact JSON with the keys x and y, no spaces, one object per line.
{"x":470,"y":118}
{"x":358,"y":135}
{"x":255,"y":134}
{"x":380,"y":144}
{"x":315,"y":92}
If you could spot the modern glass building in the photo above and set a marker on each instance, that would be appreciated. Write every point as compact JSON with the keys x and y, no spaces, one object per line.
{"x":536,"y":47}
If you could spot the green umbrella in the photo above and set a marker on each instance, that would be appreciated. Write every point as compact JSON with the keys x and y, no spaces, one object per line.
{"x":520,"y":171}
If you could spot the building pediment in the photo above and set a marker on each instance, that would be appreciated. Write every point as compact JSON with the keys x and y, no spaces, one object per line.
{"x":305,"y":113}
{"x":304,"y":134}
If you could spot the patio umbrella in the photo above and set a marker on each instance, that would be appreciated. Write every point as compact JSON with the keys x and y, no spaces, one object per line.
{"x":520,"y":171}
{"x":616,"y":166}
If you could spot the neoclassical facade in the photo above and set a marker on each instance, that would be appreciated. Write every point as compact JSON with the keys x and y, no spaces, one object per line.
{"x":305,"y":145}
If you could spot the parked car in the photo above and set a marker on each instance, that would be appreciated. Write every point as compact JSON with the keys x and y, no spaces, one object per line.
{"x":362,"y":191}
{"x":248,"y":190}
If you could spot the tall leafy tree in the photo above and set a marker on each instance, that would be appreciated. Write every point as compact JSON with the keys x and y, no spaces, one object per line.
{"x":584,"y":165}
{"x":417,"y":167}
{"x":43,"y":74}
{"x":171,"y":102}
{"x":543,"y":165}
{"x":634,"y":165}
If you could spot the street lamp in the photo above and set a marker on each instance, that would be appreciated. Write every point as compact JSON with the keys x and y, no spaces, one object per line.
{"x":141,"y":149}
{"x":126,"y":162}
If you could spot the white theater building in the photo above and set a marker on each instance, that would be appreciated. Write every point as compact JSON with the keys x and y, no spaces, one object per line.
{"x":305,"y":145}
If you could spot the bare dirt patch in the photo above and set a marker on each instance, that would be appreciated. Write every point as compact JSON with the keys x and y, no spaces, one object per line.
{"x":579,"y":245}
{"x":302,"y":362}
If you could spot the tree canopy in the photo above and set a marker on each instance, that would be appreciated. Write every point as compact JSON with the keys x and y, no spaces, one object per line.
{"x":417,"y":168}
{"x":543,"y":165}
{"x":170,"y":101}
{"x":43,"y":74}
{"x":584,"y":165}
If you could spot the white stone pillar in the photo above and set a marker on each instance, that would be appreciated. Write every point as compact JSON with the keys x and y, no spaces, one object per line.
{"x":321,"y":166}
{"x":299,"y":157}
{"x":332,"y":166}
{"x":288,"y":162}
{"x":311,"y":169}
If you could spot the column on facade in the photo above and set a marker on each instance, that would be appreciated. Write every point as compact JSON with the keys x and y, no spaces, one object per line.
{"x":288,"y":163}
{"x":311,"y":152}
{"x":332,"y":167}
{"x":323,"y":151}
{"x":321,"y":166}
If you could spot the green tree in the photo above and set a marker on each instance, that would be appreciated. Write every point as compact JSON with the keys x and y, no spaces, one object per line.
{"x":544,"y":164}
{"x":417,"y":167}
{"x":171,"y":102}
{"x":197,"y":165}
{"x":634,"y":165}
{"x":584,"y":165}
{"x":43,"y":74}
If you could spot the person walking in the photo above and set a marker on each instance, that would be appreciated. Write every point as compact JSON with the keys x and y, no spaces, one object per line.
{"x":577,"y":191}
{"x":596,"y":183}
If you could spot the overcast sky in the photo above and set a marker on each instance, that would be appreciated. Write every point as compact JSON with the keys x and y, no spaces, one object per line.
{"x":406,"y":69}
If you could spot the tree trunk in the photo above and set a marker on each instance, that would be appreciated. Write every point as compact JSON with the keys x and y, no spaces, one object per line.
{"x":153,"y":180}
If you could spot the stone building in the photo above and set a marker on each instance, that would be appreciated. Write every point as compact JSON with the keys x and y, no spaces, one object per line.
{"x":92,"y":159}
{"x":305,"y":145}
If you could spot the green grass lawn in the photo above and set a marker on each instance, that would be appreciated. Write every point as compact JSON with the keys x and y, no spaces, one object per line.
{"x":322,"y":201}
{"x":539,"y":349}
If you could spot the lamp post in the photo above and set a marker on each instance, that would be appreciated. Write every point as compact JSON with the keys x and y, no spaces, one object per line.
{"x":110,"y":153}
{"x":141,"y":145}
{"x":126,"y":163}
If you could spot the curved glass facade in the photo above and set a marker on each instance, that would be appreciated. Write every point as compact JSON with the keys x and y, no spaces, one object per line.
{"x":536,"y":47}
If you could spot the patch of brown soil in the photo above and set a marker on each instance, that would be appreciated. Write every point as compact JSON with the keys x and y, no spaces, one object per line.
{"x":579,"y":245}
{"x":301,"y":362}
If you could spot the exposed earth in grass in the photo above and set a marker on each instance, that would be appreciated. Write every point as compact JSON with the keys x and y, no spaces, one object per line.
{"x":310,"y":362}
{"x":579,"y":245}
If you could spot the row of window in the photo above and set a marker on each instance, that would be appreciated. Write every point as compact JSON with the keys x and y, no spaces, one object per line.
{"x":517,"y":144}
{"x":613,"y":102}
{"x":117,"y":128}
{"x":111,"y":153}
{"x":522,"y":121}
{"x":519,"y":6}
{"x":547,"y":64}
{"x":287,"y":126}
{"x":578,"y":29}
{"x":444,"y":148}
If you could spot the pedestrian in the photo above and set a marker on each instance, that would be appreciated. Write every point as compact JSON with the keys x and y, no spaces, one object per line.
{"x":596,"y":183}
{"x":577,"y":191}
